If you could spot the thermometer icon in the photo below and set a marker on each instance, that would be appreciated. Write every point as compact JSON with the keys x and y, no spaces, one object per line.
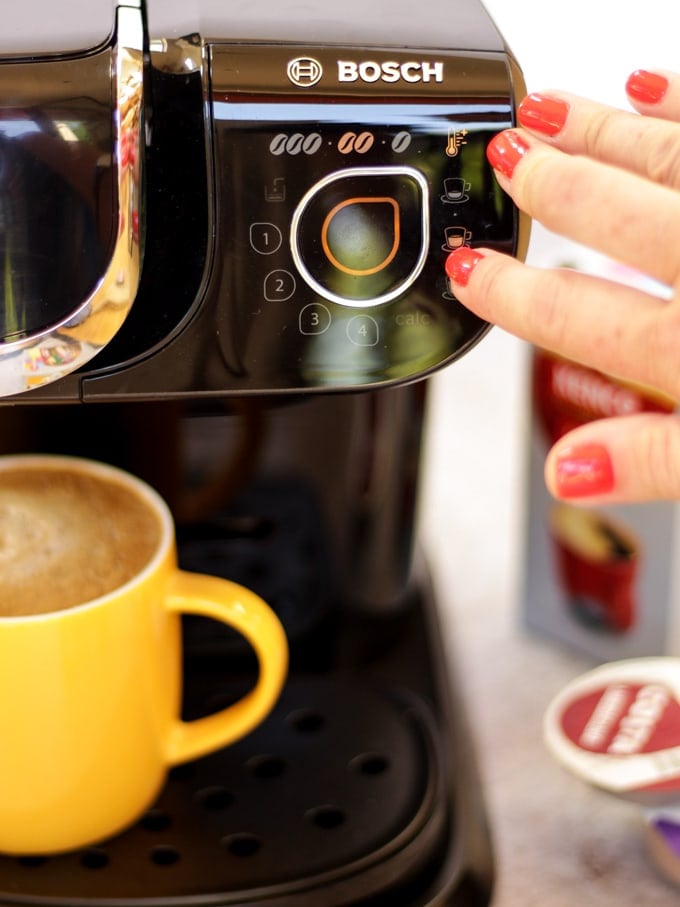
{"x":456,"y":139}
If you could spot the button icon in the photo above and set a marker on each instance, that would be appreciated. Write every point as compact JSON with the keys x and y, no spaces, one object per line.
{"x":456,"y":139}
{"x":401,"y":142}
{"x":360,"y":236}
{"x":456,"y":191}
{"x":293,"y":144}
{"x":361,"y":143}
{"x":363,"y":330}
{"x":344,"y":237}
{"x":449,"y":288}
{"x":455,"y":237}
{"x":276,"y":190}
{"x":314,"y":319}
{"x":265,"y":238}
{"x":279,"y":286}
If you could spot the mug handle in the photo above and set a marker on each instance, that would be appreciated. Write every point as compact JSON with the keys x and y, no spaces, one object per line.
{"x":241,"y":609}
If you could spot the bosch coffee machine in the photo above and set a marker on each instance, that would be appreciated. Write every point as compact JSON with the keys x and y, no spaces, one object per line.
{"x":222,"y":235}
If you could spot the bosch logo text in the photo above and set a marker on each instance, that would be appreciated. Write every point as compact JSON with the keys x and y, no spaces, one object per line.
{"x":390,"y":71}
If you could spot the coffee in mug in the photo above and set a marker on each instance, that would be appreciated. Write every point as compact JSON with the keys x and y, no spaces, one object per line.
{"x":90,"y":653}
{"x":67,"y":537}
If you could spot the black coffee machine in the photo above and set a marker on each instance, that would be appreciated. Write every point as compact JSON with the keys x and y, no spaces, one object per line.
{"x":222,"y":235}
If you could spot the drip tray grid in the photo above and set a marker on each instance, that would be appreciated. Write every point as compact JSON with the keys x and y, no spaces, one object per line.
{"x":342,"y":781}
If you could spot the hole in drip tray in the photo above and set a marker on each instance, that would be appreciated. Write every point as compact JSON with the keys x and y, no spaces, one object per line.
{"x":215,"y":799}
{"x":94,"y":858}
{"x":371,"y":764}
{"x":266,"y":767}
{"x":306,"y":721}
{"x":326,"y":817}
{"x":164,"y":855}
{"x":156,"y":820}
{"x":242,"y":845}
{"x":32,"y":862}
{"x":184,"y":772}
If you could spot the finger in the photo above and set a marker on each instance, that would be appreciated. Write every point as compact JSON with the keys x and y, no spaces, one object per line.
{"x":617,"y":329}
{"x":620,"y":214}
{"x":625,"y":459}
{"x":655,"y":93}
{"x":644,"y":145}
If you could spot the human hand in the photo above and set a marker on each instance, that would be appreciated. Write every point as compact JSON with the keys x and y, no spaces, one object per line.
{"x":610,"y":180}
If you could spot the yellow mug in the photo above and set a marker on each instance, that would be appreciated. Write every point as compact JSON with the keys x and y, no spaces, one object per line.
{"x":90,"y":694}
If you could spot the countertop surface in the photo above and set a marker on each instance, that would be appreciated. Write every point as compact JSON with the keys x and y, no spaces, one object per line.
{"x":558,"y":842}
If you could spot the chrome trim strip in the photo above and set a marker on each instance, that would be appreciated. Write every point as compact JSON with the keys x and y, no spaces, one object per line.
{"x":97,"y":319}
{"x":413,"y":174}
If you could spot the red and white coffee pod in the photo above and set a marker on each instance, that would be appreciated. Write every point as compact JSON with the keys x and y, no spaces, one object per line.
{"x":618,"y":728}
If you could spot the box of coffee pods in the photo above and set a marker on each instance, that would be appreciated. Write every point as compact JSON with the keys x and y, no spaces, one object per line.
{"x":601,"y":580}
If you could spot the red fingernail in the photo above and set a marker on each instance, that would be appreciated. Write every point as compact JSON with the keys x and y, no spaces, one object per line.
{"x":543,"y":114}
{"x":461,"y":263}
{"x":505,"y":151}
{"x":646,"y":87}
{"x":584,"y":471}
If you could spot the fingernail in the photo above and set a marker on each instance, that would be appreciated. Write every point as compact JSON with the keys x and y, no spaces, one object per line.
{"x":584,"y":471}
{"x":646,"y":87}
{"x":543,"y":114}
{"x":461,"y":263}
{"x":505,"y":151}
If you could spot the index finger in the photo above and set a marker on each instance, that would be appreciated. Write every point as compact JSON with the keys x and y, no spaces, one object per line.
{"x":617,"y":329}
{"x":620,"y":214}
{"x":646,"y":145}
{"x":655,"y":93}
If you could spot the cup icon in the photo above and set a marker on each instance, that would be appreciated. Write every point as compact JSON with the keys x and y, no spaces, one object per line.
{"x":90,"y":652}
{"x":455,"y":237}
{"x":456,"y":190}
{"x":597,"y":562}
{"x":449,"y":290}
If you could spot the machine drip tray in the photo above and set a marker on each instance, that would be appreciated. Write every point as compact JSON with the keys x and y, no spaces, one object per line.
{"x":348,"y":794}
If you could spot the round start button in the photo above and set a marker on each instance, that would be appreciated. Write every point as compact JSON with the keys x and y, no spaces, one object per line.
{"x":359,"y":237}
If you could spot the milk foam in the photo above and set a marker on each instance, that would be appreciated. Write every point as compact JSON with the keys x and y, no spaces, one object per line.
{"x":67,"y":537}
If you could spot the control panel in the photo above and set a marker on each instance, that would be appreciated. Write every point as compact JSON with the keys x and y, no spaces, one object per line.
{"x":343,"y":182}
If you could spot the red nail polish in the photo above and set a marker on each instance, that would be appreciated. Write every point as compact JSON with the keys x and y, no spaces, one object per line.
{"x":505,"y":151}
{"x":646,"y":87}
{"x":584,"y":471}
{"x":461,"y":263}
{"x":543,"y":114}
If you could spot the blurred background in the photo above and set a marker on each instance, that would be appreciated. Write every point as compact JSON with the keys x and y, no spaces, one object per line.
{"x":558,"y":843}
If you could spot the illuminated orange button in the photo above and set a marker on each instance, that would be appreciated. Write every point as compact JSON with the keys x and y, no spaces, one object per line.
{"x":396,"y":235}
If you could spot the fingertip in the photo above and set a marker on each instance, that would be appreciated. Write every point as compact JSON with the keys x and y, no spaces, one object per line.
{"x":461,"y":263}
{"x":505,"y":151}
{"x":621,"y":459}
{"x":479,"y":278}
{"x":580,"y":471}
{"x":543,"y":113}
{"x":646,"y":87}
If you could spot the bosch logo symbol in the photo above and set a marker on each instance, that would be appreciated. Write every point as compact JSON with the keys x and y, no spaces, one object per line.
{"x":304,"y":71}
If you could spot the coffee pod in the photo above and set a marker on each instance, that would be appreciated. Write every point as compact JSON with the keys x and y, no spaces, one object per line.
{"x":663,"y":842}
{"x":618,"y":728}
